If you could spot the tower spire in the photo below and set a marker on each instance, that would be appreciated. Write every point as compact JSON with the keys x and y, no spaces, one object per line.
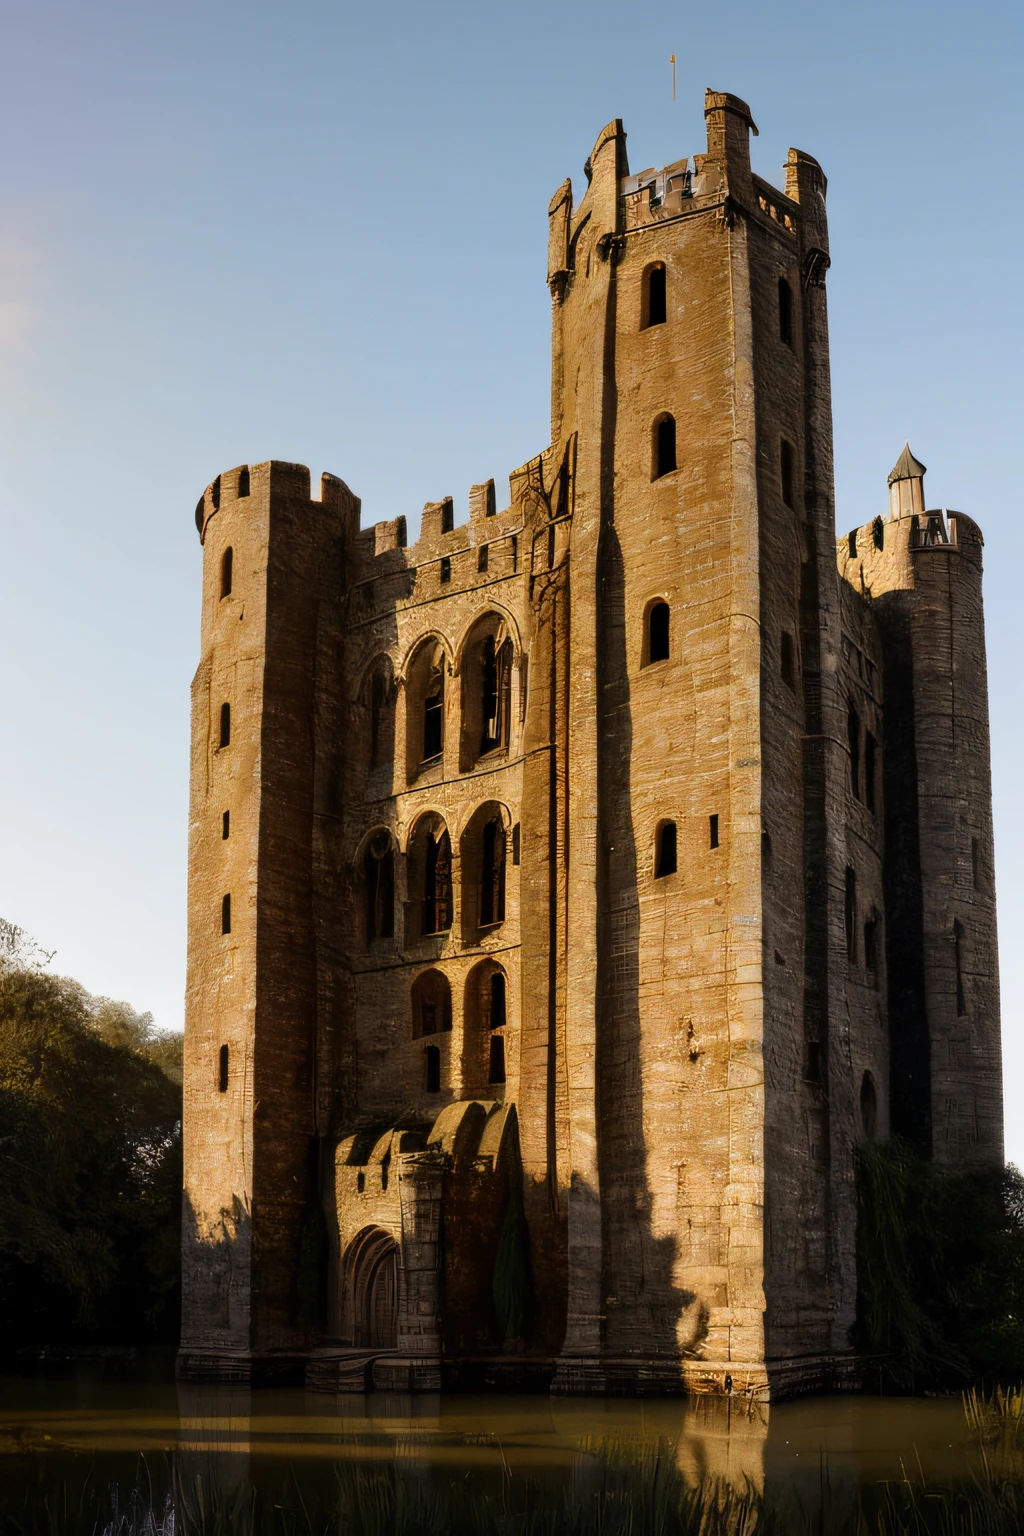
{"x":906,"y":485}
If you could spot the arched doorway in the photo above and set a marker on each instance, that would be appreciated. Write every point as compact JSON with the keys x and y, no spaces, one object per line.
{"x":372,"y":1265}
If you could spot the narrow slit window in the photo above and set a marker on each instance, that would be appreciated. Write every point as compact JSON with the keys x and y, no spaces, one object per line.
{"x":665,"y":850}
{"x":515,"y":843}
{"x":243,"y":481}
{"x":433,"y":714}
{"x":851,"y":543}
{"x":498,"y":1011}
{"x":437,"y":892}
{"x":976,"y":863}
{"x":225,"y":830}
{"x":713,"y":830}
{"x":785,"y":312}
{"x":492,"y":875}
{"x":786,"y":471}
{"x":958,"y":952}
{"x":492,"y":506}
{"x":850,"y":915}
{"x":379,"y":886}
{"x":664,"y":446}
{"x":787,"y":663}
{"x":658,"y":630}
{"x":222,"y":1069}
{"x":446,"y":568}
{"x":432,"y":1061}
{"x":496,"y":1068}
{"x":482,"y":557}
{"x":225,"y":914}
{"x":226,"y":562}
{"x":447,"y":515}
{"x":870,"y":754}
{"x":853,"y":734}
{"x":654,"y":309}
{"x":225,"y":725}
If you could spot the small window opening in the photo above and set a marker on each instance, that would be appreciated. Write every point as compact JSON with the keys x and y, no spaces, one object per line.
{"x":378,"y":702}
{"x":432,"y":1058}
{"x":360,"y":1182}
{"x":447,"y":515}
{"x":379,"y":883}
{"x":496,"y":693}
{"x":871,"y":944}
{"x":868,"y":1106}
{"x":851,"y":543}
{"x":496,"y":1069}
{"x":976,"y":863}
{"x":878,"y":533}
{"x":850,"y":915}
{"x":870,"y":752}
{"x":446,"y":568}
{"x":225,"y":830}
{"x":713,"y":830}
{"x":492,"y":874}
{"x":515,"y":843}
{"x":654,"y":309}
{"x":225,"y":914}
{"x":491,"y":507}
{"x":402,"y":533}
{"x":658,"y":629}
{"x":437,"y":884}
{"x":766,"y":848}
{"x":243,"y":481}
{"x":786,"y":471}
{"x":551,"y":546}
{"x":222,"y":1069}
{"x":482,"y":557}
{"x":785,"y":312}
{"x":225,"y":725}
{"x":665,"y":850}
{"x":853,"y":734}
{"x":226,"y":562}
{"x":498,"y":1014}
{"x":788,"y":667}
{"x":433,"y":714}
{"x":958,"y":949}
{"x":664,"y":446}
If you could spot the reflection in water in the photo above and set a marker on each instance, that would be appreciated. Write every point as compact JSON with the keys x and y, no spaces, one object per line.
{"x":233,"y":1439}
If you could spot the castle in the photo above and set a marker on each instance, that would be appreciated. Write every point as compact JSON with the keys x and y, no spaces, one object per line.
{"x":572,"y":890}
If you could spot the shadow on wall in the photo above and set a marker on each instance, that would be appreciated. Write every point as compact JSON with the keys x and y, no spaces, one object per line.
{"x":216,"y":1267}
{"x":645,"y":1312}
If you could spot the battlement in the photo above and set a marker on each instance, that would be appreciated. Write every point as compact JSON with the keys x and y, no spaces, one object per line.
{"x":272,"y":477}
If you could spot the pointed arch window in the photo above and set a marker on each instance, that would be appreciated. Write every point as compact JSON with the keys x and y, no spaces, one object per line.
{"x":492,"y":874}
{"x":437,"y":883}
{"x":431,"y":1005}
{"x":379,"y":879}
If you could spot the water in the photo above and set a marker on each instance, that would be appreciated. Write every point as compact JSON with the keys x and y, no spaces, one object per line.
{"x":60,"y":1436}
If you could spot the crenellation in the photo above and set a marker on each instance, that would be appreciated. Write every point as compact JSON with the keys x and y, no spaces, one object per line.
{"x":602,"y":868}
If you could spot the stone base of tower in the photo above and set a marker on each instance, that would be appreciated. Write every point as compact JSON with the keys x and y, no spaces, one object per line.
{"x":244,"y":1367}
{"x":758,"y":1381}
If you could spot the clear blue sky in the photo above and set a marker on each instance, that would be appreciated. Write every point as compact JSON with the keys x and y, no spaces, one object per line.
{"x":317,"y":232}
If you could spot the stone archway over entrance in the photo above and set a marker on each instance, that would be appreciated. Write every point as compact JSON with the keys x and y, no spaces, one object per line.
{"x":371,"y":1273}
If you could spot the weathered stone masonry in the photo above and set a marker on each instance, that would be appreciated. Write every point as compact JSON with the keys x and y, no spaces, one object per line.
{"x":570,"y":891}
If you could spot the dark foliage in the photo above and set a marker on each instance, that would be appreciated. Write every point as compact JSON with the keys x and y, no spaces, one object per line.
{"x":90,"y":1166}
{"x":940,"y":1267}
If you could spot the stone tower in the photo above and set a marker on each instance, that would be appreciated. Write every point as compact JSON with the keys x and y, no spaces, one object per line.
{"x":571,"y":890}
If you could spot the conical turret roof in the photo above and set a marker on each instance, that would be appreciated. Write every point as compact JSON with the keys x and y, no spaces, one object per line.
{"x":906,"y":467}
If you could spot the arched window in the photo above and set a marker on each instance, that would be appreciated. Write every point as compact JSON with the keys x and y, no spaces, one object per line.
{"x":492,"y":874}
{"x":787,"y":663}
{"x":853,"y":734}
{"x":431,"y":1005}
{"x":225,"y":725}
{"x":958,"y":953}
{"x":222,"y":1069}
{"x":432,"y":1065}
{"x":664,"y":446}
{"x":868,"y":1106}
{"x":226,"y":562}
{"x":850,"y":914}
{"x":433,"y":713}
{"x":225,"y":914}
{"x":437,"y":883}
{"x":656,"y":646}
{"x":785,"y":312}
{"x":379,"y":882}
{"x":665,"y":850}
{"x":786,"y":471}
{"x":484,"y":1017}
{"x":496,"y":692}
{"x":653,"y":307}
